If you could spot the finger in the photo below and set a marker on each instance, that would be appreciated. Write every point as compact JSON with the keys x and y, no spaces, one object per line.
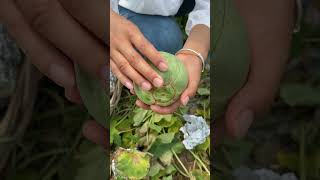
{"x":46,"y":58}
{"x":73,"y":95}
{"x":91,"y":14}
{"x":132,"y":91}
{"x":142,"y":105}
{"x":149,"y":51}
{"x":50,"y":20}
{"x":166,"y":110}
{"x":141,"y":65}
{"x":190,"y":91}
{"x":96,"y":133}
{"x":121,"y":77}
{"x":123,"y":65}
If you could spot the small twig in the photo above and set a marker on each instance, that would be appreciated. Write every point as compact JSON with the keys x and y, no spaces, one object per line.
{"x":200,"y":161}
{"x":178,"y":159}
{"x":180,"y":171}
{"x":128,"y":130}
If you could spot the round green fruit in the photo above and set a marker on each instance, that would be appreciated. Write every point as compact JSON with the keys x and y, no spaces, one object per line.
{"x":175,"y":82}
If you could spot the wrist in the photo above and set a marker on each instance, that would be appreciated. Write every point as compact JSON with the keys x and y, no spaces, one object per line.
{"x":194,"y":54}
{"x":190,"y":58}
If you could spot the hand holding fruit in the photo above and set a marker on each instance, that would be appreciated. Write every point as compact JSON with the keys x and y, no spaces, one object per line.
{"x":193,"y":68}
{"x":127,"y":46}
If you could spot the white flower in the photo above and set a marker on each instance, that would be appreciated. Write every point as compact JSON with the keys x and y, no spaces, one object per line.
{"x":195,"y":131}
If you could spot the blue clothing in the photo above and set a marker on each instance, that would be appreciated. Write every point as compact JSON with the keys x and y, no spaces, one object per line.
{"x":163,"y":32}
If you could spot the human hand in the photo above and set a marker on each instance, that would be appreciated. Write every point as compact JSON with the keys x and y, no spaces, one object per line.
{"x":127,"y":43}
{"x":193,"y":66}
{"x":53,"y":39}
{"x":269,"y":28}
{"x":96,"y":133}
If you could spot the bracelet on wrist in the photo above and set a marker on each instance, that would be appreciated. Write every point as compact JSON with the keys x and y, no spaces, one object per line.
{"x":194,"y":53}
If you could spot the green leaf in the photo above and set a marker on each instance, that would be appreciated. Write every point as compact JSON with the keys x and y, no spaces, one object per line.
{"x":155,"y":169}
{"x":167,"y":178}
{"x":231,"y":53}
{"x":166,"y":157}
{"x":200,"y":175}
{"x":155,"y":127}
{"x":203,"y":91}
{"x":114,"y":136}
{"x":174,"y":128}
{"x":144,"y":128}
{"x":132,"y":164}
{"x":139,"y":117}
{"x":158,"y":117}
{"x":297,"y":94}
{"x":178,"y":147}
{"x":170,"y":169}
{"x":125,"y":124}
{"x":204,"y":146}
{"x":166,"y":137}
{"x":129,"y":140}
{"x":93,"y":95}
{"x":158,"y":148}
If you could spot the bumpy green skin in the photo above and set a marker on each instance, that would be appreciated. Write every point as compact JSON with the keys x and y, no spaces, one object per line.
{"x":175,"y":82}
{"x":131,"y":164}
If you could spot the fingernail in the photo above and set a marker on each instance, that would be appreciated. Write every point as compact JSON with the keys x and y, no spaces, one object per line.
{"x":243,"y":123}
{"x":162,"y":66}
{"x":128,"y":85}
{"x":157,"y":82}
{"x":132,"y":91}
{"x":146,"y":86}
{"x":185,"y":100}
{"x":60,"y":76}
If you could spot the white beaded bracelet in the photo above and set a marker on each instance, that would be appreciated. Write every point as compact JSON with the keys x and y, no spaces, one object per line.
{"x":196,"y":53}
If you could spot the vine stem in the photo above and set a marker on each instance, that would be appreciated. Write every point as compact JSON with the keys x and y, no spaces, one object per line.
{"x":180,"y":171}
{"x":178,"y":159}
{"x":128,"y":130}
{"x":200,"y":161}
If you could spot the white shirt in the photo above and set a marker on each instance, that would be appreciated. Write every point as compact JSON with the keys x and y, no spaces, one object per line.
{"x":199,"y":15}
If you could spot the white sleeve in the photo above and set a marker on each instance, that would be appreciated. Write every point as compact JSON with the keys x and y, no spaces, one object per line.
{"x":199,"y":15}
{"x":114,"y":5}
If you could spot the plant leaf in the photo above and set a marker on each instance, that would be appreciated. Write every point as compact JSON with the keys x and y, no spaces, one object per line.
{"x":139,"y":116}
{"x":93,"y":95}
{"x":297,"y":94}
{"x":230,"y":53}
{"x":166,"y":137}
{"x":203,"y":91}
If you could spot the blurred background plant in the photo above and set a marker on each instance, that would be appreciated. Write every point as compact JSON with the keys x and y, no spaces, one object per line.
{"x":41,"y":131}
{"x":285,"y":145}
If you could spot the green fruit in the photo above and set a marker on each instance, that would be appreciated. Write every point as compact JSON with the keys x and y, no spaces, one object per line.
{"x":175,"y":82}
{"x":130,"y":164}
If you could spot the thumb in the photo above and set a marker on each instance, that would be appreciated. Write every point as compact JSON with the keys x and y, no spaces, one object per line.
{"x":189,"y":92}
{"x":253,"y":100}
